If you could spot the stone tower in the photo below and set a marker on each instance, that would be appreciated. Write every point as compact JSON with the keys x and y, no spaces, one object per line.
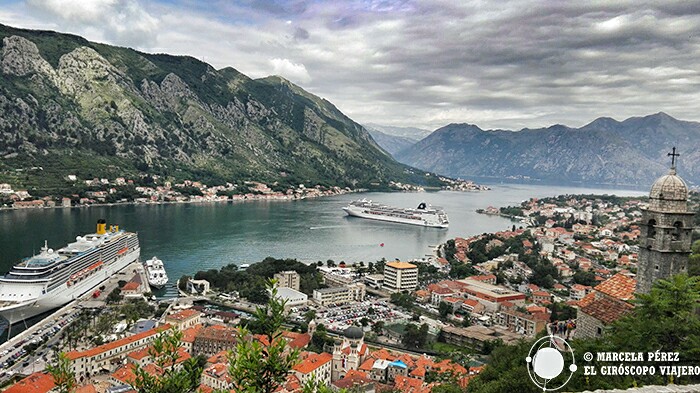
{"x":667,"y":227}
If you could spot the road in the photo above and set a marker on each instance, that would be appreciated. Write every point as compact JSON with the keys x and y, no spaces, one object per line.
{"x":17,"y":356}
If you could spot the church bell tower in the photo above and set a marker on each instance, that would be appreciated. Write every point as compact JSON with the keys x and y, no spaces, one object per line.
{"x":667,"y":227}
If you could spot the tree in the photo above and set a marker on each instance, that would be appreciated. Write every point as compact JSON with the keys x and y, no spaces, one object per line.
{"x":378,"y":327}
{"x":261,"y":365}
{"x":415,"y":337}
{"x":182,"y":283}
{"x":402,"y":300}
{"x":671,"y":305}
{"x":62,"y":374}
{"x":585,"y":278}
{"x":561,"y":312}
{"x":171,"y":378}
{"x":444,"y":309}
{"x":663,"y":320}
{"x":309,"y":315}
{"x":115,"y":296}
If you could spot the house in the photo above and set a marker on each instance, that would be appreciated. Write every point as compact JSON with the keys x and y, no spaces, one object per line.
{"x":608,"y":302}
{"x":578,"y":291}
{"x":316,"y":366}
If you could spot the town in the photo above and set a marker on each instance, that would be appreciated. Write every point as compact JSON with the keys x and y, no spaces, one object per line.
{"x":152,"y":189}
{"x":570,"y":266}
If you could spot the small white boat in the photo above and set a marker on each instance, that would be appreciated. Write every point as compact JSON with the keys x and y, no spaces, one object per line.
{"x":157,"y":277}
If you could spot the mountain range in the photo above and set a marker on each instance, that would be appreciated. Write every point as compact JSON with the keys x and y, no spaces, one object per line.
{"x":605,"y":151}
{"x":71,"y":106}
{"x":395,"y":139}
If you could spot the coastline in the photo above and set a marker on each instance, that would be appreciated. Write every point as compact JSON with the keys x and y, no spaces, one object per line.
{"x":242,"y":199}
{"x":246,"y":198}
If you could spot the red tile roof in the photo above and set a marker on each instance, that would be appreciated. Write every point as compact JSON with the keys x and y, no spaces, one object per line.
{"x":131,"y":286}
{"x":312,"y":362}
{"x":35,"y":383}
{"x":86,"y":389}
{"x":607,"y":310}
{"x":618,"y":286}
{"x":184,"y":315}
{"x":190,"y":333}
{"x":484,"y":277}
{"x":220,"y":357}
{"x":116,"y":344}
{"x":588,"y":299}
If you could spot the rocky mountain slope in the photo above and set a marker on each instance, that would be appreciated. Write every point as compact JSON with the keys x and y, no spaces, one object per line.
{"x":70,"y":106}
{"x":606,"y":151}
{"x":404,"y":132}
{"x":391,"y":143}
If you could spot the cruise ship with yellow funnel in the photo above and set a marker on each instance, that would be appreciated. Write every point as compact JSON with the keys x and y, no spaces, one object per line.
{"x":54,"y":278}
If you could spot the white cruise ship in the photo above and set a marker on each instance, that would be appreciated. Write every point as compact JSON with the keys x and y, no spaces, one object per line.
{"x":423,"y":215}
{"x":157,"y":277}
{"x":52,"y":279}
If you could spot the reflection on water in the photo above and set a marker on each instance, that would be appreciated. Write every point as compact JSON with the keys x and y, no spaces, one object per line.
{"x":191,"y":237}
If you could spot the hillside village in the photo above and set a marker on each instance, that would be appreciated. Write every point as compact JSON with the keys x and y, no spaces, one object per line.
{"x":478,"y":293}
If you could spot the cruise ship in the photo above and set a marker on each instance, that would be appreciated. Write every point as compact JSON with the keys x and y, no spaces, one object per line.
{"x":157,"y":277}
{"x":52,"y":279}
{"x":424,"y":215}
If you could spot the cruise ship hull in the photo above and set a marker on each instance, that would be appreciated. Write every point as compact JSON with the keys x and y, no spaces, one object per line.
{"x":356,"y":212}
{"x":64,"y":294}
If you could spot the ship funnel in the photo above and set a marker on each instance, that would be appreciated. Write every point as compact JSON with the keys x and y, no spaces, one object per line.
{"x":101,"y":226}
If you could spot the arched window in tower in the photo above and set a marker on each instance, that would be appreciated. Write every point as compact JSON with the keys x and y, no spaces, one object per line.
{"x":677,"y":226}
{"x":651,"y":230}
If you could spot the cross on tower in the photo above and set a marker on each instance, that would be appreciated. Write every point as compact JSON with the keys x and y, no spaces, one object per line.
{"x":673,"y":156}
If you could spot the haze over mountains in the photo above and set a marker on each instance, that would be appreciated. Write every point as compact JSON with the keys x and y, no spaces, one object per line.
{"x":70,"y":106}
{"x":605,"y":151}
{"x":395,"y":139}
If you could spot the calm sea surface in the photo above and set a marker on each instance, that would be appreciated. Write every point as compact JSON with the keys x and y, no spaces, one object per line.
{"x":192,"y":237}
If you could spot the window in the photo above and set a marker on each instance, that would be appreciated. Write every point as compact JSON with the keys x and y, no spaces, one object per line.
{"x":651,"y":230}
{"x":677,"y":231}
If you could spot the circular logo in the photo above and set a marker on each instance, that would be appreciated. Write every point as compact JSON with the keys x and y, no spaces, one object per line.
{"x":546,"y":361}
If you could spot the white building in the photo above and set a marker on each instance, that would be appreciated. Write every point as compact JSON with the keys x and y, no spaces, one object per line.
{"x":288,"y":279}
{"x":292,"y":297}
{"x":354,"y":292}
{"x":374,"y":280}
{"x":400,"y":276}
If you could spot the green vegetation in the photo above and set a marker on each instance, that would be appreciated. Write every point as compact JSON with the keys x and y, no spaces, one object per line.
{"x":414,"y":336}
{"x":257,"y":367}
{"x":671,"y":305}
{"x":179,"y":118}
{"x":403,"y":300}
{"x":172,"y":377}
{"x":694,"y":262}
{"x":250,"y":283}
{"x":62,"y":374}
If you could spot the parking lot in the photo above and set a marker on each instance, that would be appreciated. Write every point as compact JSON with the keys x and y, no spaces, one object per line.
{"x":339,"y":317}
{"x":39,"y":344}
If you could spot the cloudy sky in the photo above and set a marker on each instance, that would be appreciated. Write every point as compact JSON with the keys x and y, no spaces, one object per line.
{"x":498,"y":64}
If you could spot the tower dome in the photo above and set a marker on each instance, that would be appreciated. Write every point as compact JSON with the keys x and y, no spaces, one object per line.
{"x":669,"y":193}
{"x":353,"y":333}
